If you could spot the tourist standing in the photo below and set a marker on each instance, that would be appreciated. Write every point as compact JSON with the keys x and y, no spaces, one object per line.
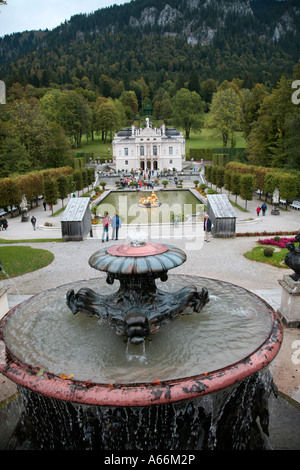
{"x":33,"y":222}
{"x":106,"y":220}
{"x":116,"y":224}
{"x":207,"y":227}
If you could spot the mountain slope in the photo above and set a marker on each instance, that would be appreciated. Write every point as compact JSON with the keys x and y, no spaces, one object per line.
{"x":154,"y":38}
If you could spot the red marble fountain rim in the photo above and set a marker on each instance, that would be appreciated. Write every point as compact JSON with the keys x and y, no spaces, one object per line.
{"x":147,"y":249}
{"x":144,"y":394}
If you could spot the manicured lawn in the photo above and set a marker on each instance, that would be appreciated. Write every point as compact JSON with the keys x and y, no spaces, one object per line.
{"x":36,"y":240}
{"x":97,"y":147}
{"x":18,"y":260}
{"x":206,"y":140}
{"x":277,"y":260}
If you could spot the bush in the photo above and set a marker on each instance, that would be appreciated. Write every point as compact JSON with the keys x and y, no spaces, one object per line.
{"x":268,"y":251}
{"x":211,"y":191}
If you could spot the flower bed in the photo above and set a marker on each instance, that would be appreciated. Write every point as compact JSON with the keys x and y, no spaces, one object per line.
{"x":277,"y":241}
{"x":264,"y":234}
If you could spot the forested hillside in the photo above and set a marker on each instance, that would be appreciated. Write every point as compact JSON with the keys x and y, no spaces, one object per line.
{"x":255,"y":41}
{"x":228,"y":66}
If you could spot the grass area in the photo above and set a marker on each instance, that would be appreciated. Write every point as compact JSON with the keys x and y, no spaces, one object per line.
{"x":36,"y":240}
{"x":206,"y":139}
{"x":277,"y":259}
{"x":96,"y":146}
{"x":18,"y":260}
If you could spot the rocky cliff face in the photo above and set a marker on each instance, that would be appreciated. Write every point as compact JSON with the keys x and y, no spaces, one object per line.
{"x":199,"y":20}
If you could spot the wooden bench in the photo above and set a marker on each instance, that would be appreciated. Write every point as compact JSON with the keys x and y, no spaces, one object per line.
{"x":295,"y":205}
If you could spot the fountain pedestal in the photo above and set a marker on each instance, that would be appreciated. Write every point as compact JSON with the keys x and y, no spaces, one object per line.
{"x":290,"y":302}
{"x":138,"y":309}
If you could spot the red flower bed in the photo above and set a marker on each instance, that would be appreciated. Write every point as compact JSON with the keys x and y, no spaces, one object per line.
{"x":264,"y":233}
{"x":281,"y":243}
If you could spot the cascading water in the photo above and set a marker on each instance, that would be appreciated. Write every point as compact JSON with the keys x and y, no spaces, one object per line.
{"x":198,"y":379}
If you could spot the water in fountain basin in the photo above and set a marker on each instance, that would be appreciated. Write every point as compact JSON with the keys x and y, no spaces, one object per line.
{"x":45,"y":334}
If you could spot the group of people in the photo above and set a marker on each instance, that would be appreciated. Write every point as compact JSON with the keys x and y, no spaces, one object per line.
{"x":115,"y":223}
{"x":262,"y":208}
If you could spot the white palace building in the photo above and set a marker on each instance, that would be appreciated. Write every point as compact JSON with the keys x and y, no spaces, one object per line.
{"x":148,"y":148}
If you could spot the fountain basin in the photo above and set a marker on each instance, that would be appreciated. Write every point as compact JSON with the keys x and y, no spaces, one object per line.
{"x":202,"y":382}
{"x":155,"y":386}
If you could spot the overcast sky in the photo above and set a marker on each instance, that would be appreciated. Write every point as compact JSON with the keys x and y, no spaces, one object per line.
{"x":22,"y":15}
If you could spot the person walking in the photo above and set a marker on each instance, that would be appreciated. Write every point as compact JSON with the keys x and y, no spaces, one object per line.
{"x":258,"y":210}
{"x":264,"y":208}
{"x":106,"y":220}
{"x":33,"y":222}
{"x":116,"y":224}
{"x":4,"y":223}
{"x":207,"y":227}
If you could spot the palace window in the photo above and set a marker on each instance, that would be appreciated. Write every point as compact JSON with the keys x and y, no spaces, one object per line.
{"x":155,"y":150}
{"x":170,"y":150}
{"x":126,"y":151}
{"x":142,"y":152}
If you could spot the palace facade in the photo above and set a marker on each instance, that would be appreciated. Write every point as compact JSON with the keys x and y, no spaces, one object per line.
{"x":148,"y":148}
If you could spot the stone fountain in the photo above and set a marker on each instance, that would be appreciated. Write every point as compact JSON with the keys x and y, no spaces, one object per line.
{"x":138,"y":309}
{"x":200,"y":382}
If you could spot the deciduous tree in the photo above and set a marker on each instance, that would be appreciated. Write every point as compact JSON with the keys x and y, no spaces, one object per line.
{"x":188,"y":111}
{"x":226,"y":114}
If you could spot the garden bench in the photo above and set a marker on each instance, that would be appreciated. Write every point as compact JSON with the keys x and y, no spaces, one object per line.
{"x":295,"y":205}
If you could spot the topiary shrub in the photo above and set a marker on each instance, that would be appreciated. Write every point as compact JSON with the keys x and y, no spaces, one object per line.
{"x":268,"y":251}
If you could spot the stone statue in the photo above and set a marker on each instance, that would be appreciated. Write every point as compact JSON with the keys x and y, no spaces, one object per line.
{"x":275,"y":210}
{"x":23,"y":204}
{"x":292,"y":259}
{"x":276,"y":196}
{"x":24,"y":209}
